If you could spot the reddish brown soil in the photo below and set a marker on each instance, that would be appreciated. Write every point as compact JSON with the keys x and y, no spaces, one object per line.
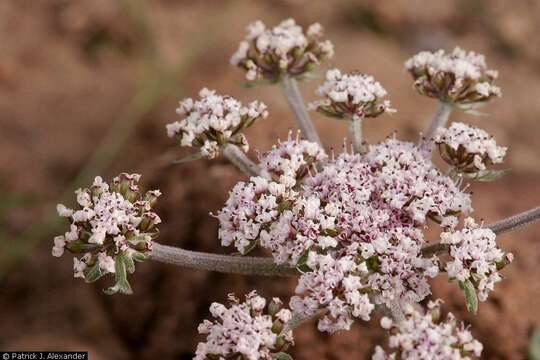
{"x":70,"y":68}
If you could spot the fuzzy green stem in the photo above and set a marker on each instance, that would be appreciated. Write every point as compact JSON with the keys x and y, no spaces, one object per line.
{"x":355,"y":131}
{"x":239,"y":159}
{"x":246,"y":265}
{"x":439,"y":120}
{"x":516,"y":221}
{"x":294,"y":98}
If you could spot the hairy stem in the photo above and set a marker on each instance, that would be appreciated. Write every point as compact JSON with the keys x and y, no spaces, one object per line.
{"x":355,"y":130}
{"x":240,"y":160}
{"x":434,"y":249}
{"x":396,"y":311}
{"x":439,"y":120}
{"x":228,"y":264}
{"x":294,"y":98}
{"x":500,"y":227}
{"x":516,"y":221}
{"x":299,"y":319}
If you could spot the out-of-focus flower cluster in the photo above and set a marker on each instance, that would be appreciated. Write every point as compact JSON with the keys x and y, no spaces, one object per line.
{"x":214,"y":121}
{"x":427,"y":337}
{"x":284,"y":50}
{"x":458,"y":77}
{"x":113,"y":226}
{"x":353,"y":228}
{"x":352,"y":95}
{"x":245,"y":330}
{"x":467,"y":148}
{"x":475,"y":257}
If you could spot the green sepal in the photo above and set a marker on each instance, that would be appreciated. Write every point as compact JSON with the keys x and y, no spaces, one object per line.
{"x":130,"y":264}
{"x":471,"y":300}
{"x":139,"y":256}
{"x":79,"y":246}
{"x":92,"y":273}
{"x":139,"y":239}
{"x":281,"y":356}
{"x":485,"y":175}
{"x":189,"y":158}
{"x":122,"y":285}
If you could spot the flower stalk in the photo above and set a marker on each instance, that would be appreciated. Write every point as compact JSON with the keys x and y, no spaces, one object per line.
{"x":239,"y":159}
{"x":355,"y":130}
{"x":439,"y":120}
{"x":294,"y":98}
{"x":246,"y":265}
{"x":516,"y":221}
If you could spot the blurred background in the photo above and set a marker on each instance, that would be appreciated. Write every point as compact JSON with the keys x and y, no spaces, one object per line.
{"x":87,"y":86}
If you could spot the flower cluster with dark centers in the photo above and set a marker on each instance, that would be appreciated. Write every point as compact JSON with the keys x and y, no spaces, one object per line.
{"x":353,"y":95}
{"x":290,"y":161}
{"x":112,"y":227}
{"x":284,"y":50}
{"x":475,"y":257}
{"x":467,"y":148}
{"x":458,"y":77}
{"x":214,"y":121}
{"x":353,"y":228}
{"x":247,"y":330}
{"x":426,"y":336}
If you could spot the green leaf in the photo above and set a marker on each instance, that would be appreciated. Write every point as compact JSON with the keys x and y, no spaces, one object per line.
{"x":122,"y":285}
{"x":485,"y":175}
{"x":256,"y":83}
{"x":189,"y":158}
{"x":140,"y":239}
{"x":130,"y":264}
{"x":534,"y":345}
{"x":92,"y":273}
{"x":281,"y":356}
{"x":139,"y":256}
{"x":470,"y":295}
{"x":79,"y":246}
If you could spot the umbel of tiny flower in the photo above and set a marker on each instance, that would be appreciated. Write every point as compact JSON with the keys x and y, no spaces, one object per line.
{"x":354,"y":227}
{"x":284,"y":50}
{"x":427,"y":337}
{"x":475,"y":258}
{"x":351,"y":95}
{"x":112,"y":227}
{"x":290,"y":161}
{"x":459,"y":77}
{"x":213,"y":121}
{"x":247,"y":330}
{"x":468,"y":149}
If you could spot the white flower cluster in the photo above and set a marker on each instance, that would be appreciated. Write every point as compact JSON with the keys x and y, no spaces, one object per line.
{"x":351,"y":95}
{"x":425,"y":337}
{"x":289,"y":161}
{"x":336,"y":284}
{"x":113,"y":224}
{"x":458,"y":77}
{"x":213,"y":121}
{"x":363,"y":214}
{"x":468,"y":148}
{"x":245,"y":330}
{"x":282,"y":50}
{"x":475,"y":256}
{"x":251,"y":207}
